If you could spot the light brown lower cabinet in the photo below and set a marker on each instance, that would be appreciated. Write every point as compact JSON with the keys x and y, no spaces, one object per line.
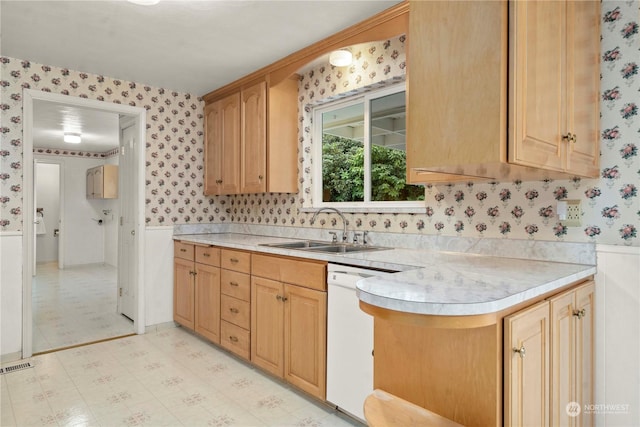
{"x":289,"y":322}
{"x":196,"y":289}
{"x":517,"y":367}
{"x":549,"y":366}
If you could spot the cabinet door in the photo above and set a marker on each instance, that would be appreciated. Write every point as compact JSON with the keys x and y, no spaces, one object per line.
{"x":305,"y":338}
{"x":267,"y":322}
{"x":585,"y":350}
{"x":222,"y":148}
{"x":583,"y":85}
{"x":98,"y":183}
{"x":183,"y":292}
{"x":538,"y":92}
{"x":212,"y":148}
{"x":254,"y":139}
{"x":526,"y":367}
{"x":109,"y":181}
{"x":563,"y":352}
{"x":207,"y":302}
{"x":89,"y":183}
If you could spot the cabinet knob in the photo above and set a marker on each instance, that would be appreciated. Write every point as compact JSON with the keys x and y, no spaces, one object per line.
{"x":218,"y":181}
{"x":278,"y":297}
{"x":570,"y":137}
{"x":233,"y":260}
{"x":260,"y":177}
{"x":206,"y":254}
{"x":234,"y":310}
{"x":284,"y":299}
{"x":579,"y":313}
{"x":183,"y":250}
{"x":521,"y":351}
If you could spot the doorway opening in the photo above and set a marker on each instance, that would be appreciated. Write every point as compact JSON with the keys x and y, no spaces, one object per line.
{"x":78,"y":231}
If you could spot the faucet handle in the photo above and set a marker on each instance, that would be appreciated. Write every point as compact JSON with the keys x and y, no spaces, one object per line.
{"x":355,"y":237}
{"x":365,"y":234}
{"x":334,"y":236}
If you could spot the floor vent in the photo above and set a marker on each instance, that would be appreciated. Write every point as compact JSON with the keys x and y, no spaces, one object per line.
{"x":14,"y":368}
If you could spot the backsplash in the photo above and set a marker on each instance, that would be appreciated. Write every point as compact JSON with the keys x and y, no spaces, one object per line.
{"x":505,"y":210}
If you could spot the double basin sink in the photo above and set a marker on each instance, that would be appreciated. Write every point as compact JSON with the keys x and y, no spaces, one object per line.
{"x":325,"y":247}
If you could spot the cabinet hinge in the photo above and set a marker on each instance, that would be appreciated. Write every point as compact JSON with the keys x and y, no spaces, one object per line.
{"x":120,"y":291}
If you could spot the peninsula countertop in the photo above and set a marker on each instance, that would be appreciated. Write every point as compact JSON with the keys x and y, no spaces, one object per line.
{"x":429,"y":282}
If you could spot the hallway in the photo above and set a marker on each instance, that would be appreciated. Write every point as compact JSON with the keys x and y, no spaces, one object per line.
{"x":74,"y":306}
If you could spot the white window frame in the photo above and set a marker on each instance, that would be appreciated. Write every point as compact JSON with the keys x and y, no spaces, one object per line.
{"x":366,"y":205}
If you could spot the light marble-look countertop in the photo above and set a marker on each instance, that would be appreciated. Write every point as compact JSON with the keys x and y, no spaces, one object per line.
{"x":430,"y":282}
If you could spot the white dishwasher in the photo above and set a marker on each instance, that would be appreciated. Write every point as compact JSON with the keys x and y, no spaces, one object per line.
{"x":349,"y":340}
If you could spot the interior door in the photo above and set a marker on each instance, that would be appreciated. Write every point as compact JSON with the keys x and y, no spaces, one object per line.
{"x":35,"y":214}
{"x":127,"y":242}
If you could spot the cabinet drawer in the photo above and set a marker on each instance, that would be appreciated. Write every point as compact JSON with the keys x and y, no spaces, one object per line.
{"x":235,"y":260}
{"x":183,"y":250}
{"x":310,"y":274}
{"x":208,"y":255}
{"x":237,"y":285}
{"x":235,"y":311}
{"x":235,"y":339}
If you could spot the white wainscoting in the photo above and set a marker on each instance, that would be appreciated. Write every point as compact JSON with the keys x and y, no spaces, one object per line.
{"x":10,"y":293}
{"x":158,"y":271}
{"x":618,"y":336}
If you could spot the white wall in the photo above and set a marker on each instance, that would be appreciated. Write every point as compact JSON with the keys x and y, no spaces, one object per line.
{"x":10,"y":293}
{"x":83,"y":236}
{"x":48,"y":198}
{"x":618,"y":336}
{"x":158,"y":275}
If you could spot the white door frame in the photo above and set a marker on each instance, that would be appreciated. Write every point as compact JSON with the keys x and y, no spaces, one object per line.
{"x":29,"y":96}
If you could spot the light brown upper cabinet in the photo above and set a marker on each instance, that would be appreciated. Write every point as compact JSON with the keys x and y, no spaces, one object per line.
{"x":222,"y":146}
{"x":251,"y":140}
{"x":102,"y":182}
{"x":502,"y":90}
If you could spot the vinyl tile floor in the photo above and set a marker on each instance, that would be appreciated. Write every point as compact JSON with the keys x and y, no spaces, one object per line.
{"x":165,"y":378}
{"x":74,"y":306}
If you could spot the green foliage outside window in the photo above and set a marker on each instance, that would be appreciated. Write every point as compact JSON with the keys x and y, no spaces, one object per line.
{"x":343,"y":172}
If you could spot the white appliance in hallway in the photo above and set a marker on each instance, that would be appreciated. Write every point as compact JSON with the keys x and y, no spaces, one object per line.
{"x":349,"y":341}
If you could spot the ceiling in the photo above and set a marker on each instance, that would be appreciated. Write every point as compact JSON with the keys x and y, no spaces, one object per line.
{"x":187,"y":46}
{"x":99,"y":130}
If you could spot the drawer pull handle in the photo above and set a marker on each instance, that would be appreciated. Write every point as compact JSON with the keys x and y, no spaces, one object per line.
{"x":233,"y":283}
{"x":183,"y":250}
{"x":580,"y":313}
{"x":281,"y":298}
{"x":206,"y":254}
{"x":233,"y":260}
{"x":234,"y":310}
{"x":521,"y":351}
{"x":233,"y":339}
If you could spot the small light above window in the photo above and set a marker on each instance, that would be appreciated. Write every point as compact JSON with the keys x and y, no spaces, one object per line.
{"x":72,"y":138}
{"x":340,"y":58}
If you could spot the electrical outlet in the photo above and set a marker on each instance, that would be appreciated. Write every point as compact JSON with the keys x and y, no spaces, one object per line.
{"x":574,"y":214}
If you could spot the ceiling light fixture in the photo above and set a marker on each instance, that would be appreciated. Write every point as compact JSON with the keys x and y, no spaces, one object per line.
{"x":340,"y":58}
{"x":144,"y":2}
{"x":72,"y":138}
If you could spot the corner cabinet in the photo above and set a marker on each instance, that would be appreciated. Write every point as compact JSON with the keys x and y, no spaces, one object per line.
{"x":251,"y":140}
{"x":549,"y":366}
{"x":502,"y":90}
{"x":517,"y":367}
{"x":196,"y":289}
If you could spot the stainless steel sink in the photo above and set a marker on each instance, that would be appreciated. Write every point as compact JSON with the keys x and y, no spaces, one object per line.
{"x":297,"y":245}
{"x":342,"y":248}
{"x":325,"y":247}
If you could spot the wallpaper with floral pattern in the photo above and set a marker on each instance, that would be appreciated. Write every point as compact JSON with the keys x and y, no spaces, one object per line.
{"x":515,"y":210}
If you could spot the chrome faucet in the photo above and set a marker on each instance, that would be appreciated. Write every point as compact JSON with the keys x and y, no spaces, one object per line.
{"x":344,"y":221}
